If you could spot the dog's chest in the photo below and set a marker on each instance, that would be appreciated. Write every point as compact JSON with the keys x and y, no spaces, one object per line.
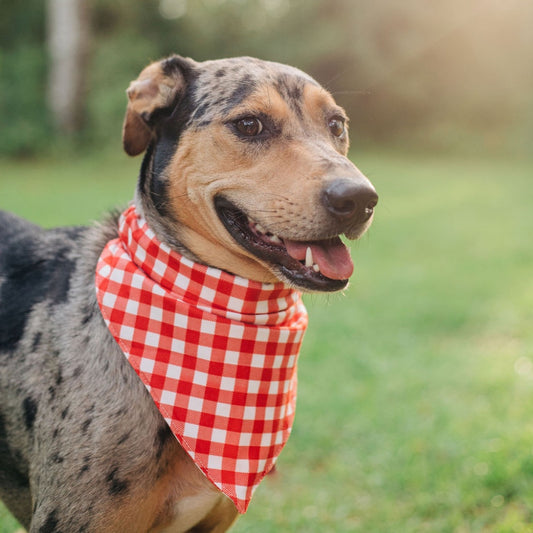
{"x":185,"y":499}
{"x":191,"y":510}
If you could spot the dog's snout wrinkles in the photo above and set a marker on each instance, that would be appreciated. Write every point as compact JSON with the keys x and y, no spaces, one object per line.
{"x":350,"y":200}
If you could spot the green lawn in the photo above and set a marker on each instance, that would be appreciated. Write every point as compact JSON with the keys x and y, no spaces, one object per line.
{"x":415,"y":408}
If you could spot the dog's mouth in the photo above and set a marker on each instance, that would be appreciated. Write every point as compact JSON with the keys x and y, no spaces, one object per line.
{"x":317,"y":265}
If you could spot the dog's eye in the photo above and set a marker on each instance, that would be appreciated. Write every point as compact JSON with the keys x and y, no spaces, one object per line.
{"x":249,"y":126}
{"x":337,"y":126}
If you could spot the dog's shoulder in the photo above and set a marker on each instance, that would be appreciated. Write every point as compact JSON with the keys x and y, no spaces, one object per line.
{"x":35,"y":259}
{"x":12,"y":229}
{"x":38,"y":265}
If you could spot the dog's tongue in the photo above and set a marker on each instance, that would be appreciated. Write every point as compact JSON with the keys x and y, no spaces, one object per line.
{"x":332,"y":256}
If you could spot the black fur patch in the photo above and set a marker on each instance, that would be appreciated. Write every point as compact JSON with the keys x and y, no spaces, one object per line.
{"x":86,"y":465}
{"x":29,"y":407}
{"x":116,"y":486}
{"x":50,"y":525}
{"x":59,"y":375}
{"x":177,"y":63}
{"x":88,"y":313}
{"x":152,"y":181}
{"x":162,"y":437}
{"x":36,"y":341}
{"x":145,"y":169}
{"x":162,"y":155}
{"x":10,"y":474}
{"x":34,"y":272}
{"x":292,"y":92}
{"x":124,"y":438}
{"x":243,"y":90}
{"x":85,"y":425}
{"x":56,"y":458}
{"x":201,"y":110}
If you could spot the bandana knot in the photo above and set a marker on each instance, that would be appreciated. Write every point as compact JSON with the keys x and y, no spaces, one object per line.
{"x":218,"y":353}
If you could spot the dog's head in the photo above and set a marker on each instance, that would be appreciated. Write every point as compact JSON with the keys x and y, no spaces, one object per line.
{"x":246,"y":169}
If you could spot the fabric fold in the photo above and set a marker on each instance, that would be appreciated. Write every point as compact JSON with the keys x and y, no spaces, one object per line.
{"x":218,"y":353}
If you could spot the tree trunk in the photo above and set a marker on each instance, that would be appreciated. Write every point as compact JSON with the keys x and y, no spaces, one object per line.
{"x":68,"y":40}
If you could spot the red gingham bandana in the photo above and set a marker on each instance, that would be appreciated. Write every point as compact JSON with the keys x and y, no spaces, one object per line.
{"x":217,"y":352}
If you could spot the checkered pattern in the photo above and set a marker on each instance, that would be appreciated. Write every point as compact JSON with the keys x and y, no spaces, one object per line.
{"x":217,"y":352}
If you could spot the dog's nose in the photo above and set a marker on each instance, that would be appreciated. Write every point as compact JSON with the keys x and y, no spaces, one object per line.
{"x":348,"y":199}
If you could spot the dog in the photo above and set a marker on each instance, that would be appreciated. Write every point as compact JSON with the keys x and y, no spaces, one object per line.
{"x":245,"y":170}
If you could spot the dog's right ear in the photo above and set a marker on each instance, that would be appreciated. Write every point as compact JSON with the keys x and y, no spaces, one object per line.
{"x":152,"y":95}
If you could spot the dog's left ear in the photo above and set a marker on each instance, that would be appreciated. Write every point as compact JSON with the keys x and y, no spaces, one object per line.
{"x":152,"y":95}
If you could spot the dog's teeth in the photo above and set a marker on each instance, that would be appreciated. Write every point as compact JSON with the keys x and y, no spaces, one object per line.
{"x":316,"y":268}
{"x":275,"y":238}
{"x":260,"y":229}
{"x":309,"y":257}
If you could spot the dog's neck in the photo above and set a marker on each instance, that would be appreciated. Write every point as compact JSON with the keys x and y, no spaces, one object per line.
{"x":151,"y":187}
{"x":152,"y":201}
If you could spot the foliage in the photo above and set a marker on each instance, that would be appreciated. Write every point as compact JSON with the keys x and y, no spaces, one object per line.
{"x":415,"y":387}
{"x":25,"y":122}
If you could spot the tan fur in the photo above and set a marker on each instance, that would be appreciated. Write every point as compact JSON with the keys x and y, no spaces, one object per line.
{"x":181,"y":499}
{"x":276,"y":187}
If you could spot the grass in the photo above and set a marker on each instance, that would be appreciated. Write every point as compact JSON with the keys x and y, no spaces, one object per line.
{"x":416,"y":385}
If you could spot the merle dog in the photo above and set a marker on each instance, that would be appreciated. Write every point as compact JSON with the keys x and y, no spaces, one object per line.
{"x":245,"y":170}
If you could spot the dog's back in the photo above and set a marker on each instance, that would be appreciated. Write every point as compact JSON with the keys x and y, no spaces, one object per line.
{"x":35,"y":271}
{"x":35,"y":266}
{"x":52,"y":351}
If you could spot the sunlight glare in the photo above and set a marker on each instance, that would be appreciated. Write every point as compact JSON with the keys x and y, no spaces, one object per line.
{"x":172,"y":9}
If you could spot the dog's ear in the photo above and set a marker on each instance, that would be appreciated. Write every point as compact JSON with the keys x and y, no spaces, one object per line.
{"x":152,"y":95}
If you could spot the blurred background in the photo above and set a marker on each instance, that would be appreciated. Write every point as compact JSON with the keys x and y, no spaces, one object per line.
{"x":435,"y":75}
{"x":415,"y":409}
